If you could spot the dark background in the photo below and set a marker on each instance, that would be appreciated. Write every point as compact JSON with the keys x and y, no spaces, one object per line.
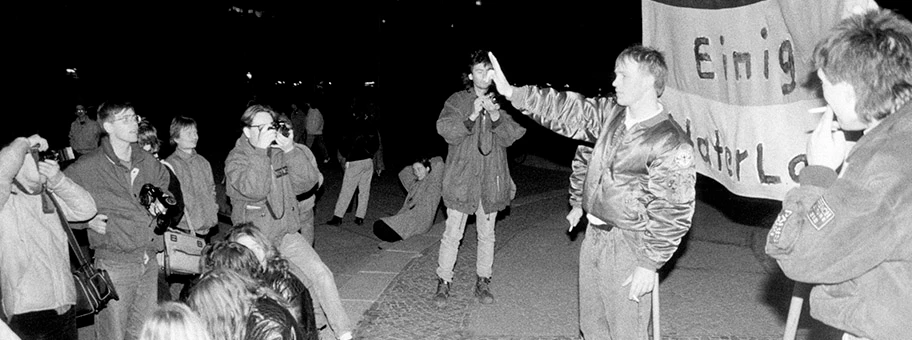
{"x":192,"y":59}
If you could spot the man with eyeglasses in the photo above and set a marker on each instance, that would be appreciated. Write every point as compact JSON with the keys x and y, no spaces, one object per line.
{"x":122,"y":232}
{"x":264,"y":172}
{"x":84,"y":133}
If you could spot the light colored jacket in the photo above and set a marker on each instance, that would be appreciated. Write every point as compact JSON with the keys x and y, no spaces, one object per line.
{"x":263,"y":184}
{"x":34,"y":254}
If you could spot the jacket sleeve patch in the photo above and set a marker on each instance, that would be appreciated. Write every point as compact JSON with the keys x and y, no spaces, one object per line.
{"x":776,"y":230}
{"x":820,"y":214}
{"x":684,"y":159}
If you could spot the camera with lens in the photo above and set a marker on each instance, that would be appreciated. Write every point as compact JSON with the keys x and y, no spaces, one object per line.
{"x":60,"y":156}
{"x":281,"y":127}
{"x":163,"y":207}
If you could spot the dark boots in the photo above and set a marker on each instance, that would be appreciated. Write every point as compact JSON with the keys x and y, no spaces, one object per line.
{"x":482,"y":292}
{"x":443,"y":292}
{"x":335,"y":221}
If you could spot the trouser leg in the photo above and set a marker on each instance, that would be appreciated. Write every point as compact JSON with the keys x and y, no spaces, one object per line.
{"x":449,"y":244}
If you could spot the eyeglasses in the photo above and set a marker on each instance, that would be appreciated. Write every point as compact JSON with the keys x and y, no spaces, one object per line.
{"x":130,"y":118}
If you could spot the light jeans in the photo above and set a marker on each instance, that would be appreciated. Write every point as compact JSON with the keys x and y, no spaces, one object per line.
{"x":316,"y":276}
{"x":137,"y":288}
{"x":449,"y":243}
{"x":306,"y":212}
{"x":358,"y":174}
{"x":607,"y":258}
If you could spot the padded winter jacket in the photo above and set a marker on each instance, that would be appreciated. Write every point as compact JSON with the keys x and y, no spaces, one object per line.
{"x":639,"y":178}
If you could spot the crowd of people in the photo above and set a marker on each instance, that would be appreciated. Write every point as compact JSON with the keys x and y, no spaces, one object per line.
{"x":844,"y":229}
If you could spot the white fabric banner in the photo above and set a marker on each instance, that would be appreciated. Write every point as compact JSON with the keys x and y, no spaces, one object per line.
{"x":738,"y":82}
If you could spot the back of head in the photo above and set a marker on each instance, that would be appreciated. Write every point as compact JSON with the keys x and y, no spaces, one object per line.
{"x":174,"y":321}
{"x":249,"y":229}
{"x":223,"y":299}
{"x":232,"y":256}
{"x":147,"y":135}
{"x":648,"y":59}
{"x":872,"y":52}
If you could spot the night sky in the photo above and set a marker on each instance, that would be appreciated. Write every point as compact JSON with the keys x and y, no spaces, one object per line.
{"x":192,"y":59}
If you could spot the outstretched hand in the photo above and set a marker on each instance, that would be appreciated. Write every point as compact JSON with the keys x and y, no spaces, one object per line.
{"x":500,"y":80}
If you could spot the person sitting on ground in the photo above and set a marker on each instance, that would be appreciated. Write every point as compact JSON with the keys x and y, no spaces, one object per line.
{"x":174,"y":321}
{"x":233,"y":306}
{"x":423,"y":180}
{"x":296,"y":298}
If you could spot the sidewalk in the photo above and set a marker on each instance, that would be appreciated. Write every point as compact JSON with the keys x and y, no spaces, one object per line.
{"x":716,"y":287}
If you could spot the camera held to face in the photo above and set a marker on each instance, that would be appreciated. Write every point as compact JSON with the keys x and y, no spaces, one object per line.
{"x":281,"y":127}
{"x":60,"y":156}
{"x":161,"y":206}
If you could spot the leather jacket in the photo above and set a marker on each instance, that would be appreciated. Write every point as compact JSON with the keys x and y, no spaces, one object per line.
{"x":293,"y":290}
{"x":268,"y":320}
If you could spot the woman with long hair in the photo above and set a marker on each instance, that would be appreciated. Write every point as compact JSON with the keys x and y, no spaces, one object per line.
{"x":274,"y":272}
{"x":174,"y":321}
{"x":234,"y":307}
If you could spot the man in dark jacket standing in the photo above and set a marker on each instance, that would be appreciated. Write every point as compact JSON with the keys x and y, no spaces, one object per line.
{"x":848,"y":227}
{"x":477,"y":178}
{"x":638,"y":190}
{"x":114,"y":174}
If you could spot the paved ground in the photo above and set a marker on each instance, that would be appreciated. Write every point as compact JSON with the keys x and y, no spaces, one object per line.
{"x":717,"y":287}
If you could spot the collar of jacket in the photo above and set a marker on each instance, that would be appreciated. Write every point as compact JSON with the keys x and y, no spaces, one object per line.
{"x":660,"y":117}
{"x":137,"y":154}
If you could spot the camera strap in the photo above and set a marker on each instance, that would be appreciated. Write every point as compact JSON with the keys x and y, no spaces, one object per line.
{"x":71,"y":239}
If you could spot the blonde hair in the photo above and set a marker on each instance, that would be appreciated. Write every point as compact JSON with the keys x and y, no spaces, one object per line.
{"x":174,"y":321}
{"x":223,"y":298}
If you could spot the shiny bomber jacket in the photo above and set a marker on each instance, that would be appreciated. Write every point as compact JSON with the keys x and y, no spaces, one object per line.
{"x":639,"y":179}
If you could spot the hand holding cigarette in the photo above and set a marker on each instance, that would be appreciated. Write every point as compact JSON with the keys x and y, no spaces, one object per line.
{"x":827,"y":144}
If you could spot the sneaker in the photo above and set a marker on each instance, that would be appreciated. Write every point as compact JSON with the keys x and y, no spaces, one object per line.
{"x":443,"y":292}
{"x":359,"y":221}
{"x":482,"y":292}
{"x":335,"y":221}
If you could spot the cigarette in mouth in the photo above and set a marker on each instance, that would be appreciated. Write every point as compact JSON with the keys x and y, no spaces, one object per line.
{"x":821,"y":109}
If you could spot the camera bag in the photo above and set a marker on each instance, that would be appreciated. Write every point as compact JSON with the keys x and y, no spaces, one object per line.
{"x":94,"y":288}
{"x":182,"y":253}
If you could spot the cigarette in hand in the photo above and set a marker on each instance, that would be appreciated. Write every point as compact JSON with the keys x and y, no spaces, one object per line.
{"x":821,"y":109}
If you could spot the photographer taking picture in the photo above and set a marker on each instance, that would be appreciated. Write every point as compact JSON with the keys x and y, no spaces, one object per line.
{"x":37,"y":285}
{"x":264,"y":172}
{"x":125,"y":245}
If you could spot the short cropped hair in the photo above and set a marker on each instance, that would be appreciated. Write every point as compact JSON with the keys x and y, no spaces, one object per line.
{"x":173,"y":320}
{"x":252,"y":110}
{"x":177,"y":124}
{"x":872,"y":52}
{"x":108,"y":109}
{"x":648,"y":59}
